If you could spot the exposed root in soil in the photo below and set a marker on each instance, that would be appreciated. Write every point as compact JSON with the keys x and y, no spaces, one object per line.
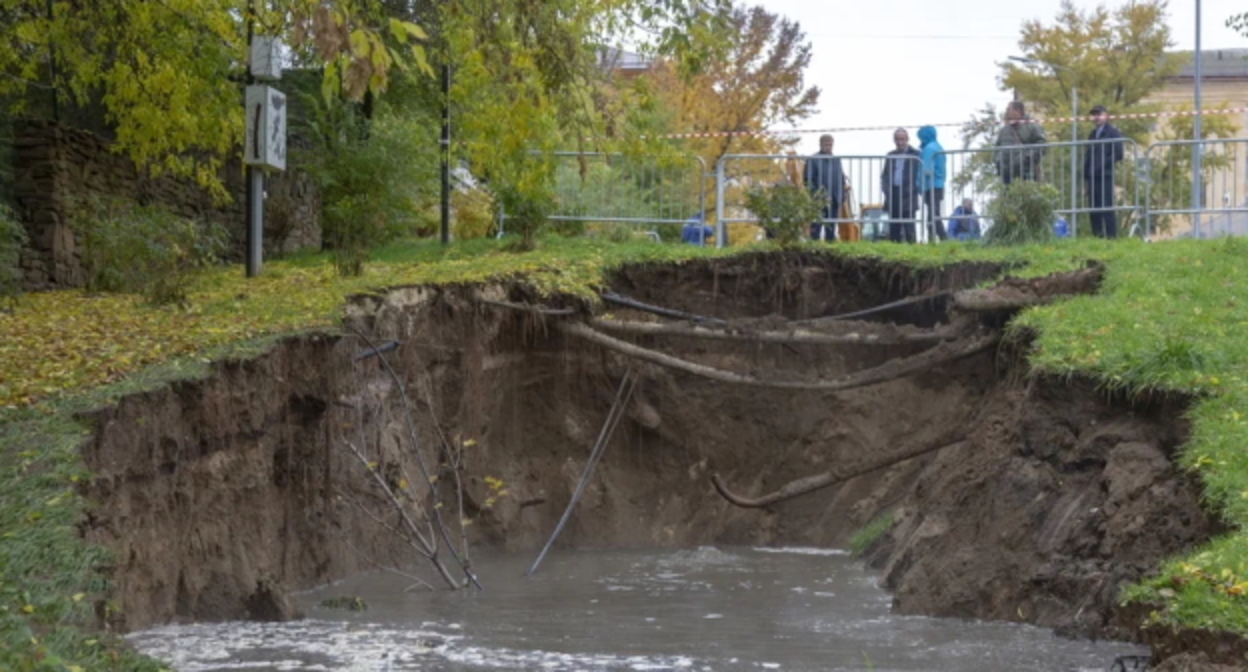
{"x":1015,"y":294}
{"x":943,"y":353}
{"x":839,"y":474}
{"x":798,"y":335}
{"x":528,"y":307}
{"x":876,"y":310}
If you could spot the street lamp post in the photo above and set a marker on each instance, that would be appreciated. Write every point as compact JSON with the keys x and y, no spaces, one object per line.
{"x":1198,"y":188}
{"x":1074,"y":135}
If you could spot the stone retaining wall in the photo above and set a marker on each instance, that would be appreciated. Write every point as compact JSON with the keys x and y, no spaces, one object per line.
{"x":53,"y":163}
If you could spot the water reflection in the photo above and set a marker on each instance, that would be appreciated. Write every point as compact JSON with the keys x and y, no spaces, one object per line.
{"x":702,"y":609}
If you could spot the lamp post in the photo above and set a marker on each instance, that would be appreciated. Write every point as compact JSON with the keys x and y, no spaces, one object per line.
{"x":1198,"y":188}
{"x":1074,"y":133}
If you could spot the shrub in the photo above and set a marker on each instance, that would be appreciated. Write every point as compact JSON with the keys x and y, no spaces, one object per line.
{"x":785,"y":210}
{"x":863,"y":539}
{"x":472,"y":213}
{"x":12,"y":240}
{"x":527,"y":210}
{"x":144,"y":250}
{"x":569,"y":228}
{"x":1023,"y":213}
{"x":375,"y":177}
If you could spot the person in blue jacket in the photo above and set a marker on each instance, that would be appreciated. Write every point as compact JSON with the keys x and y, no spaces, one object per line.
{"x":933,"y":180}
{"x":696,"y":231}
{"x":964,"y":223}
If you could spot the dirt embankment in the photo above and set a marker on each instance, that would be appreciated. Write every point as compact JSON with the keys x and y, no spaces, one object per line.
{"x":218,"y":493}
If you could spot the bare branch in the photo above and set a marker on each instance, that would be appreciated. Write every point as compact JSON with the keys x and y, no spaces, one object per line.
{"x":810,"y":484}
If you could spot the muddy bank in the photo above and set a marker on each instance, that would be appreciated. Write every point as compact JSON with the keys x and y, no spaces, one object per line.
{"x":218,"y":494}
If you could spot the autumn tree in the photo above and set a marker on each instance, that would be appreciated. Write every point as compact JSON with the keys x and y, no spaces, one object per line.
{"x":756,"y":82}
{"x":1113,"y":58}
{"x":529,"y":79}
{"x":167,"y":74}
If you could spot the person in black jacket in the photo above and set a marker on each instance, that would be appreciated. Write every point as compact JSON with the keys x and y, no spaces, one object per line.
{"x":900,"y":183}
{"x":823,"y":173}
{"x":1104,"y":151}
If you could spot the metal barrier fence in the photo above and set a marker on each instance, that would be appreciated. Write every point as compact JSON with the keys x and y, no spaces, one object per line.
{"x":1224,"y":177}
{"x":979,"y":174}
{"x":736,"y":174}
{"x":614,"y":188}
{"x":1151,"y":189}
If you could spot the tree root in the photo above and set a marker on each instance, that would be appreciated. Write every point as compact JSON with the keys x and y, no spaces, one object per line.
{"x":528,"y":307}
{"x":878,"y":309}
{"x":810,"y":484}
{"x":793,"y":336}
{"x":891,"y":370}
{"x":1016,"y":293}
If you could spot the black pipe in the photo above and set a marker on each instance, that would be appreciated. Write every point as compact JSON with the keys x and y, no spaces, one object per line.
{"x":612,"y":297}
{"x":883,"y":308}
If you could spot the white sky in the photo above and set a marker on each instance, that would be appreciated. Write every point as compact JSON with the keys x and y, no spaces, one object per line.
{"x":911,"y":62}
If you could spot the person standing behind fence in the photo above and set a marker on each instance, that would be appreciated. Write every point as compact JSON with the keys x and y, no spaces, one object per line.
{"x":1098,"y":173}
{"x":823,"y":173}
{"x":900,"y":183}
{"x":1019,"y":145}
{"x":933,"y":185}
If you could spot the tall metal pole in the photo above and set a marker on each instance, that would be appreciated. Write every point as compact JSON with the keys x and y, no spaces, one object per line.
{"x":1074,"y":152}
{"x":1198,"y":188}
{"x":253,"y":178}
{"x":52,"y":72}
{"x":721,"y":229}
{"x":446,"y":154}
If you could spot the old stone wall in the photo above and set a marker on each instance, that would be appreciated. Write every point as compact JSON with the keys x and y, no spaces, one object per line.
{"x":53,"y":164}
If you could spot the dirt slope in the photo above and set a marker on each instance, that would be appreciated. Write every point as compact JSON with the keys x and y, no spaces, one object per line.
{"x":215,"y":493}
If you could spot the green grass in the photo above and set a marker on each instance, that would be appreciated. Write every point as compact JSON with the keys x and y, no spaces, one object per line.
{"x":1171,"y":316}
{"x":861,"y":540}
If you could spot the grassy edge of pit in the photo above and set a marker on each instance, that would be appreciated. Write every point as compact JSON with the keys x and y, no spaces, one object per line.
{"x":51,"y":583}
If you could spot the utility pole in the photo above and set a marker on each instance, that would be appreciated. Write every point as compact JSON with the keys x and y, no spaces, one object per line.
{"x":255,"y":206}
{"x":446,"y":154}
{"x":1198,"y":187}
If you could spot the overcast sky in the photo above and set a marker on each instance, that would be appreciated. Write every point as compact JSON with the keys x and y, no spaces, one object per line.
{"x":911,"y":62}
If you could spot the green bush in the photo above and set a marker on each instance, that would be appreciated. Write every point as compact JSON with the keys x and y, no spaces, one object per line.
{"x":143,"y":250}
{"x":376,"y":177}
{"x":862,"y":540}
{"x":1022,"y":214}
{"x":12,"y":240}
{"x":569,"y":228}
{"x":785,"y":210}
{"x":473,"y":213}
{"x":527,"y":211}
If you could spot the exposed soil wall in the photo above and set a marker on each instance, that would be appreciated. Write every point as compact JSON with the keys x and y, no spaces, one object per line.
{"x":214,"y":490}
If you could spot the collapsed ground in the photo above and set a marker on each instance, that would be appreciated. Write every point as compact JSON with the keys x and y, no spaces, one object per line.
{"x":1025,"y":499}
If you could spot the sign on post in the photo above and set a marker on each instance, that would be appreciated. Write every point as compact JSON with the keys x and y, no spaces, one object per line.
{"x":265,"y":144}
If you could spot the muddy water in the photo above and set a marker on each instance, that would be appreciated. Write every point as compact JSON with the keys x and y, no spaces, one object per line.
{"x":703,"y":609}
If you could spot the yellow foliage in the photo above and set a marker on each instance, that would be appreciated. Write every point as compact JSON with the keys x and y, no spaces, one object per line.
{"x":472,"y":214}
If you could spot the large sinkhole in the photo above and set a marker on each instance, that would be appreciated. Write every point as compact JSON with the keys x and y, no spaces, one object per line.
{"x":1021,"y":499}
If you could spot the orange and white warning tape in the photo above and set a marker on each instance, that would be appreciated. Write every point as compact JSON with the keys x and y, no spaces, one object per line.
{"x":1050,"y":120}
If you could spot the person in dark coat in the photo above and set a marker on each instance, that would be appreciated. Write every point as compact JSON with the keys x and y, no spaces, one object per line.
{"x":823,"y":173}
{"x":900,"y":183}
{"x":1020,"y":145}
{"x":1102,"y":153}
